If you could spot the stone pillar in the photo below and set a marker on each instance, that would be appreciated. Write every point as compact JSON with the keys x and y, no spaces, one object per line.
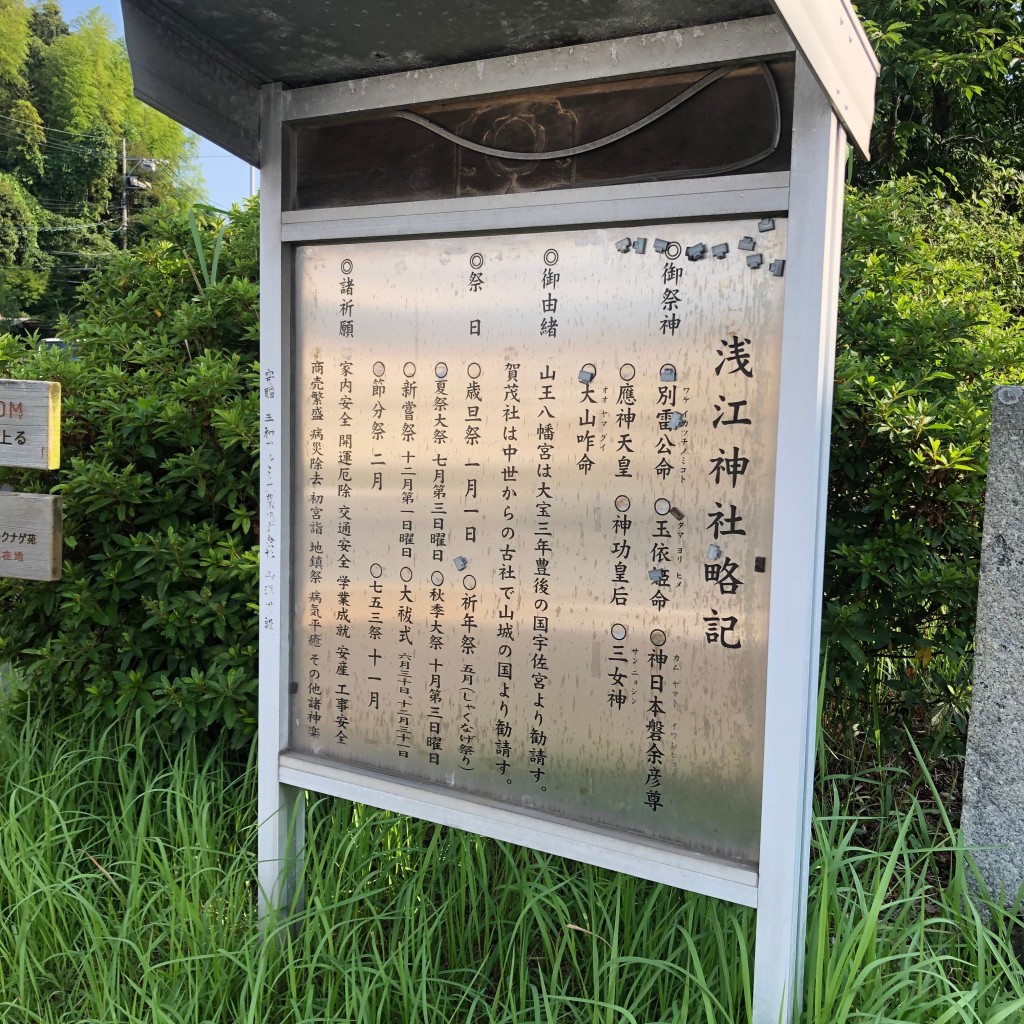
{"x":993,"y":812}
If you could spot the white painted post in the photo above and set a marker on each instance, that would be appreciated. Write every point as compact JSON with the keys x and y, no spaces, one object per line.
{"x":809,"y":331}
{"x":281,"y":808}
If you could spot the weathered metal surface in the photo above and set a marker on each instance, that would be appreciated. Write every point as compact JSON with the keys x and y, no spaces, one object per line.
{"x":31,"y":536}
{"x":29,"y":424}
{"x":193,"y":79}
{"x":532,"y":520}
{"x":835,"y":46}
{"x":303,"y":44}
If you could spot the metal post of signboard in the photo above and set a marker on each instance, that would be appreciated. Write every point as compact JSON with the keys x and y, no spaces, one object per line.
{"x":798,"y":549}
{"x":281,"y":807}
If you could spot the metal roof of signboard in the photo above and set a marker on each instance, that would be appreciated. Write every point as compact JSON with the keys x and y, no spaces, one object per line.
{"x":203,"y":61}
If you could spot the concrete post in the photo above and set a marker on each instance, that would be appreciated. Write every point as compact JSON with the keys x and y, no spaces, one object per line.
{"x":993,"y":812}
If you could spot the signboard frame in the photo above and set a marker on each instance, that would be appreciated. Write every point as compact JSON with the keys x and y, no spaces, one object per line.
{"x":778,"y":888}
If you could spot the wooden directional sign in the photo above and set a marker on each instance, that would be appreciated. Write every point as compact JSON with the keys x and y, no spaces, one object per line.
{"x":29,"y":424}
{"x":31,"y":536}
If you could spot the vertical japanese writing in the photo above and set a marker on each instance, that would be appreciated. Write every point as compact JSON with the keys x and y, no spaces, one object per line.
{"x":467,"y":691}
{"x":654,"y":723}
{"x":625,"y":417}
{"x":508,"y":578}
{"x":586,"y":436}
{"x":269,"y":453}
{"x":669,"y":420}
{"x":617,"y":663}
{"x":407,"y":549}
{"x":403,"y":704}
{"x":660,"y":556}
{"x":472,"y":439}
{"x":549,"y":312}
{"x":375,"y":610}
{"x":543,"y":540}
{"x":621,"y":551}
{"x":346,"y":306}
{"x":434,"y":740}
{"x":473,"y":421}
{"x":343,"y":560}
{"x":523,"y":543}
{"x":315,"y":548}
{"x":377,"y":430}
{"x":343,"y":539}
{"x":670,"y":322}
{"x":728,"y":467}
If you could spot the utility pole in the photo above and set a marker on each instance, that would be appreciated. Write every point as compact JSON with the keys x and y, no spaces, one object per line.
{"x":124,"y":192}
{"x":130,"y":182}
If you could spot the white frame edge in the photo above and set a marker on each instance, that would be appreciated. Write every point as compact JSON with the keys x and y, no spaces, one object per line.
{"x":657,"y":862}
{"x":838,"y":52}
{"x":605,"y":204}
{"x":801,"y":482}
{"x":281,"y":826}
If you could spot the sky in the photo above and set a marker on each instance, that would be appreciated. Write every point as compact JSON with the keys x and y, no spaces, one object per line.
{"x":227,"y":177}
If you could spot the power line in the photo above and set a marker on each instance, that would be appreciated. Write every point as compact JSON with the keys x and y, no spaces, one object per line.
{"x":77,"y":227}
{"x":57,"y":146}
{"x":47,"y":128}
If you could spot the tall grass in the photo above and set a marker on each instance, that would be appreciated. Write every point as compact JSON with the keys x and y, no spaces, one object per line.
{"x":127,"y":894}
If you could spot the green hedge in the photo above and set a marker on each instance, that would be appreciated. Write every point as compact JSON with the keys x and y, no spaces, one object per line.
{"x":156,"y":610}
{"x":930,"y":321}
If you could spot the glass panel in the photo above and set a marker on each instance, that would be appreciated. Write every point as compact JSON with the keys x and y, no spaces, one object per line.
{"x":384,"y":159}
{"x":532,"y":518}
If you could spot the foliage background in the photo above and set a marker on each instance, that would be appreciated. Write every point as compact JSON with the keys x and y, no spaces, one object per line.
{"x":66,"y":103}
{"x":931,"y":300}
{"x":156,"y":609}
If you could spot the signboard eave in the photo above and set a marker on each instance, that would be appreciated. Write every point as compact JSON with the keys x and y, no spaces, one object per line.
{"x":186,"y":60}
{"x":837,"y":49}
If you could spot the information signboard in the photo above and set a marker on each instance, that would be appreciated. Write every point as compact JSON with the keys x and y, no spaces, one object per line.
{"x":532,"y":519}
{"x":29,"y":424}
{"x":31,"y":536}
{"x":543,"y":478}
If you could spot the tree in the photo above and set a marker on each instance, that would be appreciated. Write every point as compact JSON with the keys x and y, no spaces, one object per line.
{"x":48,"y":23}
{"x":951,"y":93}
{"x":22,"y":265}
{"x":15,"y":20}
{"x":66,"y":104}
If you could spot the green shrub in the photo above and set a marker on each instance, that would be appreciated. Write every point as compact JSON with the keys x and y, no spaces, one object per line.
{"x":931,"y":300}
{"x":159,"y":478}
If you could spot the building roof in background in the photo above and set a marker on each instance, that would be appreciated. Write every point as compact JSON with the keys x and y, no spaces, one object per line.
{"x":203,"y":61}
